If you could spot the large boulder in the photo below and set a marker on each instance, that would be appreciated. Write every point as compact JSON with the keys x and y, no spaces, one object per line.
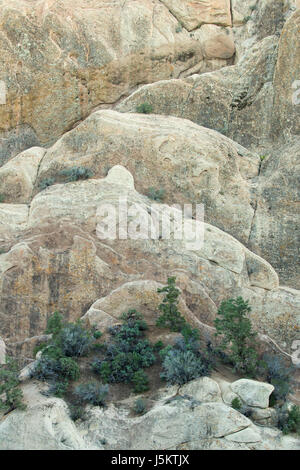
{"x":253,"y":393}
{"x":60,"y":60}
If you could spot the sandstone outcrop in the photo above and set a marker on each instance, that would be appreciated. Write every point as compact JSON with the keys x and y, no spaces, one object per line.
{"x":61,"y":264}
{"x":183,"y":418}
{"x":220,"y":82}
{"x":60,"y":60}
{"x":190,"y":163}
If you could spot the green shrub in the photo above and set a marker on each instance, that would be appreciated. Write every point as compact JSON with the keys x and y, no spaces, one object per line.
{"x":180,"y":367}
{"x":184,"y":361}
{"x":278,"y":374}
{"x":46,"y":182}
{"x":54,"y":324}
{"x":127,"y":352}
{"x":54,"y":370}
{"x":288,"y":420}
{"x":144,"y":108}
{"x":2,"y":198}
{"x":38,"y":348}
{"x":97,"y":334}
{"x":11,"y":396}
{"x":92,"y":393}
{"x":140,"y":406}
{"x":58,"y":389}
{"x":76,"y":173}
{"x":158,"y":346}
{"x":236,"y":404}
{"x":179,"y":28}
{"x":156,"y":194}
{"x":74,"y":340}
{"x":171,"y":317}
{"x":238,"y":338}
{"x":140,"y":381}
{"x":77,"y":412}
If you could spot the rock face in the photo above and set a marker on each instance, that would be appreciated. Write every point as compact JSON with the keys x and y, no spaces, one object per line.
{"x":18,"y":176}
{"x":236,"y":100}
{"x":275,"y":229}
{"x":221,"y":81}
{"x":254,"y":102}
{"x":61,"y":264}
{"x":286,"y":110}
{"x":191,"y":417}
{"x":191,"y":164}
{"x":193,"y":14}
{"x":61,"y":59}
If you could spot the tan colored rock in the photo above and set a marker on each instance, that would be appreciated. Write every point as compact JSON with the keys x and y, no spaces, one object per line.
{"x":62,"y":265}
{"x":171,"y":423}
{"x":18,"y":175}
{"x":253,"y":393}
{"x":45,"y":425}
{"x":236,"y":101}
{"x":247,"y":436}
{"x":60,"y":60}
{"x":13,"y":219}
{"x":217,"y":42}
{"x":286,"y":111}
{"x":193,"y":14}
{"x":203,"y":390}
{"x":275,"y":229}
{"x":164,"y":153}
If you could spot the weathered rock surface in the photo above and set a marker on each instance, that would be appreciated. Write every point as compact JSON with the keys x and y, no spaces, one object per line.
{"x":193,"y":420}
{"x":253,"y":393}
{"x":275,"y":232}
{"x":191,"y":164}
{"x":193,"y":14}
{"x":45,"y":425}
{"x":62,"y":59}
{"x":2,"y":351}
{"x":236,"y":100}
{"x":255,"y":102}
{"x":286,"y":110}
{"x":18,"y":176}
{"x":61,"y":264}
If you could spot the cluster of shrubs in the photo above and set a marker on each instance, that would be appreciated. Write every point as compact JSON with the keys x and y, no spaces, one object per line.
{"x":75,"y":173}
{"x":58,"y":362}
{"x":125,"y":357}
{"x":156,"y":194}
{"x":127,"y":354}
{"x":184,"y":361}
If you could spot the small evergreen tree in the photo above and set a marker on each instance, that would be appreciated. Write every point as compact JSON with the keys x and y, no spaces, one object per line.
{"x":171,"y":317}
{"x":238,"y":339}
{"x":11,"y":396}
{"x":54,"y":324}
